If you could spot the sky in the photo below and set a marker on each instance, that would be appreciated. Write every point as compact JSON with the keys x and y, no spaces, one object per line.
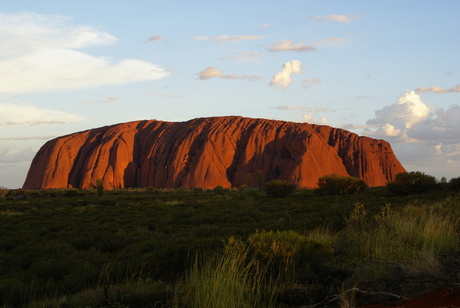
{"x":383,"y":69}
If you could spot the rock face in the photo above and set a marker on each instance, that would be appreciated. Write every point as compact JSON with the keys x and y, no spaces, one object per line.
{"x":206,"y":152}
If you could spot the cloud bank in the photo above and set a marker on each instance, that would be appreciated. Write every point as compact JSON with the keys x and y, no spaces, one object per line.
{"x":7,"y":156}
{"x":420,"y":135}
{"x":283,"y":79}
{"x":43,"y":54}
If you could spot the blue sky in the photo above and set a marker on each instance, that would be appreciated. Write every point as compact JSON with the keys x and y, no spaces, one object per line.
{"x":384,"y":69}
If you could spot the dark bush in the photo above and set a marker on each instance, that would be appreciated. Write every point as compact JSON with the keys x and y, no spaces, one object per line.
{"x":100,"y":187}
{"x":454,"y":184}
{"x":279,"y":188}
{"x":415,"y":182}
{"x":197,"y":190}
{"x":334,"y":184}
{"x":219,"y":190}
{"x":72,"y":193}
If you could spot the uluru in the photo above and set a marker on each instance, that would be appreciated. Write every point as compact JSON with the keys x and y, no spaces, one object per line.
{"x":205,"y":152}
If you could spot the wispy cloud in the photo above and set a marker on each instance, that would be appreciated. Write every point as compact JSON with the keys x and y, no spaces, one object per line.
{"x":214,"y":72}
{"x":40,"y":54}
{"x":283,"y":79}
{"x":107,"y":100}
{"x":309,"y":82}
{"x":437,"y":89}
{"x":228,"y":38}
{"x":286,"y":45}
{"x":336,"y":18}
{"x":155,"y":38}
{"x":330,"y":41}
{"x":28,"y":138}
{"x":310,"y":108}
{"x":265,"y":26}
{"x":26,"y":115}
{"x":244,"y":56}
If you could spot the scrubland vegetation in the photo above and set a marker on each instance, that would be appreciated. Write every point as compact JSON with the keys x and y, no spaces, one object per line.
{"x":272,"y":246}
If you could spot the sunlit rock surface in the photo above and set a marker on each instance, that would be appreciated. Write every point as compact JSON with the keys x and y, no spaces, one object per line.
{"x":206,"y":152}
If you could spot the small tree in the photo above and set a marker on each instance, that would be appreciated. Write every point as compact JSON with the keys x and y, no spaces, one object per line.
{"x":415,"y":182}
{"x":279,"y":188}
{"x":454,"y":184}
{"x":334,"y":184}
{"x":100,"y":187}
{"x":219,"y":190}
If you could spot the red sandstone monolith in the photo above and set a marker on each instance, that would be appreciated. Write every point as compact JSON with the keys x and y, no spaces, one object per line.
{"x":206,"y":152}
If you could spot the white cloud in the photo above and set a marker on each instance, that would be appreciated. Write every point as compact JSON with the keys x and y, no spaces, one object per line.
{"x":283,"y":79}
{"x":286,"y":45}
{"x":437,"y":89}
{"x":411,"y":121}
{"x":244,"y":56}
{"x":214,"y":72}
{"x":307,"y":83}
{"x":40,"y":53}
{"x":405,"y":113}
{"x":228,"y":38}
{"x":336,"y":18}
{"x":310,"y":116}
{"x":26,"y":115}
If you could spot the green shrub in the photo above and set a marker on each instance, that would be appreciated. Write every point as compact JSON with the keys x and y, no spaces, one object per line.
{"x":415,"y":182}
{"x":279,"y":188}
{"x":334,"y":184}
{"x":454,"y":184}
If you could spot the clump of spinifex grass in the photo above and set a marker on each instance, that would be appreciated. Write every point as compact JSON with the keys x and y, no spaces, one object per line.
{"x":415,"y":237}
{"x":226,"y":280}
